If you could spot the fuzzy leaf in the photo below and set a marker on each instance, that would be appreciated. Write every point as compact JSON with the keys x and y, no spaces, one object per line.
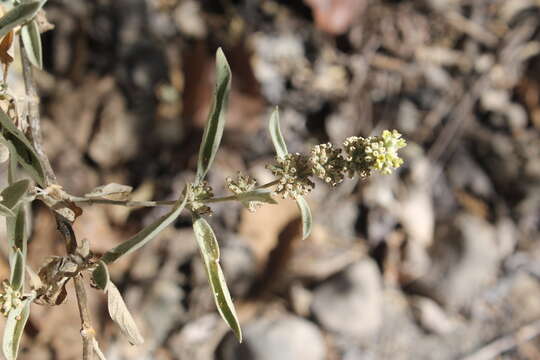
{"x":216,"y":118}
{"x":110,"y":190}
{"x":14,"y":193}
{"x":4,"y":151}
{"x":32,"y":43}
{"x":121,"y":315}
{"x":222,"y":297}
{"x":206,"y":239}
{"x":26,"y":155}
{"x":260,"y":195}
{"x":13,"y":161}
{"x":14,"y":327}
{"x":305,"y":211}
{"x":145,"y":235}
{"x":208,"y":246}
{"x":5,"y":211}
{"x":247,"y":199}
{"x":275,"y":133}
{"x":16,"y":230}
{"x":101,"y":275}
{"x":17,"y":270}
{"x":18,"y":16}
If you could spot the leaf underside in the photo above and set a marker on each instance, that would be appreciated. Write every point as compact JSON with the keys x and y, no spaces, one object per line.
{"x":305,"y":212}
{"x":145,"y":235}
{"x":216,"y":118}
{"x":275,"y":134}
{"x":121,"y":315}
{"x":208,"y":246}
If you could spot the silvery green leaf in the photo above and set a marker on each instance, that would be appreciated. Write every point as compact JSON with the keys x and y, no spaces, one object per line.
{"x":275,"y":134}
{"x":216,"y":118}
{"x":16,"y":230}
{"x":256,"y":196}
{"x":305,"y":211}
{"x":121,"y":315}
{"x":208,"y":245}
{"x":146,"y":234}
{"x":17,"y":270}
{"x":14,"y":328}
{"x":18,"y":16}
{"x":32,"y":43}
{"x":14,"y":193}
{"x":12,"y":166}
{"x":222,"y":297}
{"x":101,"y":275}
{"x":7,"y":4}
{"x":5,"y":211}
{"x":111,"y":189}
{"x":261,"y":195}
{"x":26,"y":155}
{"x":206,"y":239}
{"x":4,"y":153}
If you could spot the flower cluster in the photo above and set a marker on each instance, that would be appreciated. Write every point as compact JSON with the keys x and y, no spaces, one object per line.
{"x":362,"y":156}
{"x":327,"y":163}
{"x":9,"y":298}
{"x":375,"y":153}
{"x":243,"y":184}
{"x":293,"y":172}
{"x":197,"y":195}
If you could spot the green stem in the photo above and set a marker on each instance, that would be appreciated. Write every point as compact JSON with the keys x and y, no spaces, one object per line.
{"x":130,"y":203}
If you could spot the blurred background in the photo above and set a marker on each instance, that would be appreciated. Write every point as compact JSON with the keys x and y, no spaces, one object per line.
{"x":438,"y":261}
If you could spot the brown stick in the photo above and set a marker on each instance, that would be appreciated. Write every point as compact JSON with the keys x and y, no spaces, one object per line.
{"x":506,"y":343}
{"x":64,"y":226}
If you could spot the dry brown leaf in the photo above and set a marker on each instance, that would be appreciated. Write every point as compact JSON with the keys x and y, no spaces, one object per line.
{"x":5,"y":45}
{"x":121,"y":315}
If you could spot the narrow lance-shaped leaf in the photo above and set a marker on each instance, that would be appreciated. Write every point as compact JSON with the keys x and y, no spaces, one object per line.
{"x":26,"y":155}
{"x":12,"y":167}
{"x":145,"y":235}
{"x":14,"y":193}
{"x":32,"y":43}
{"x":121,"y":315}
{"x":5,"y":211}
{"x":206,"y":239}
{"x":17,"y":270}
{"x":305,"y":212}
{"x":11,"y":196}
{"x":14,"y":328}
{"x":275,"y":134}
{"x":18,"y":16}
{"x":281,"y":151}
{"x":16,"y":230}
{"x":110,"y":191}
{"x":259,"y":195}
{"x":216,"y":118}
{"x":101,"y":275}
{"x":208,"y":245}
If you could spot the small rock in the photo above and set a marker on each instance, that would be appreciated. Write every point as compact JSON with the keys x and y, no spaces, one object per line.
{"x":301,"y":299}
{"x":431,"y":316}
{"x":350,"y":303}
{"x":286,"y":337}
{"x":465,"y":261}
{"x":199,"y":338}
{"x":239,"y":266}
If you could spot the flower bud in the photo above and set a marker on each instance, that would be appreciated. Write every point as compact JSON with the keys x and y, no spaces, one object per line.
{"x":293,"y":173}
